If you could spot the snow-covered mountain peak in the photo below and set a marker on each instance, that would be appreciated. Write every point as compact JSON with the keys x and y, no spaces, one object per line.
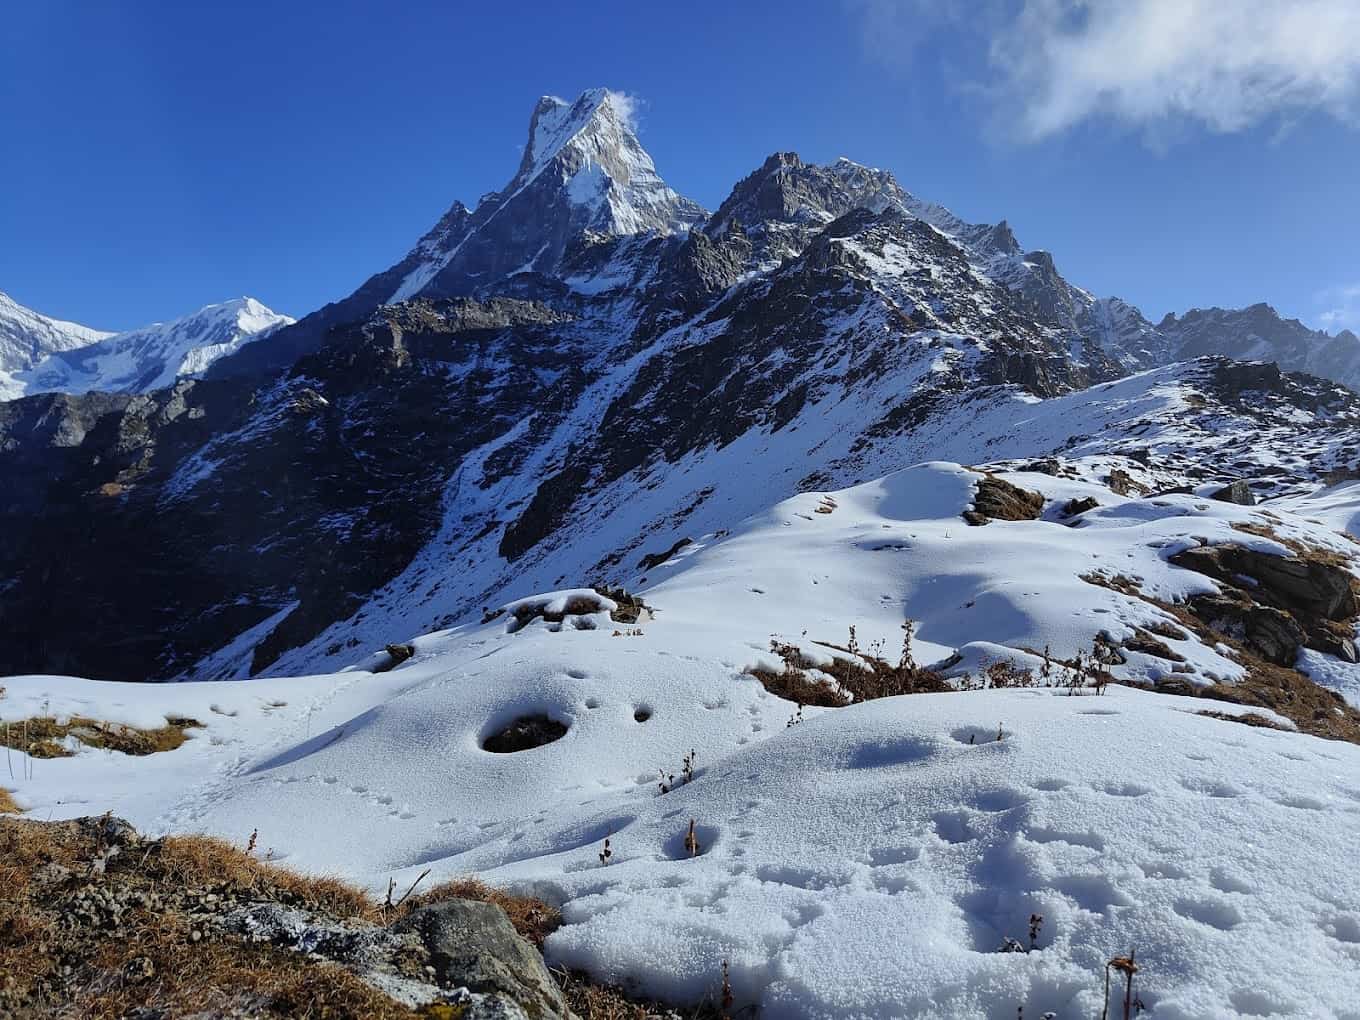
{"x":590,"y":149}
{"x":583,"y":172}
{"x":152,"y":356}
{"x":600,"y":121}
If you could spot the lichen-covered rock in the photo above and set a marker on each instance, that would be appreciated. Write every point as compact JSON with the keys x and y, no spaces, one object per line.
{"x":473,"y":945}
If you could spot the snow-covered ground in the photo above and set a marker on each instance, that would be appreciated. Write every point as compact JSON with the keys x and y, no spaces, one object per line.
{"x":866,"y":861}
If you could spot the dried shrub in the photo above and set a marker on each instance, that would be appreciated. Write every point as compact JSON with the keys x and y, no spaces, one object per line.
{"x":858,"y":674}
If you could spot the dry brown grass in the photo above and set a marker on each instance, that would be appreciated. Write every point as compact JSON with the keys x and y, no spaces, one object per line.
{"x":50,"y":968}
{"x":1246,"y":719}
{"x":204,"y":861}
{"x":221,"y":976}
{"x":42,"y":736}
{"x":53,"y":969}
{"x":7,"y":803}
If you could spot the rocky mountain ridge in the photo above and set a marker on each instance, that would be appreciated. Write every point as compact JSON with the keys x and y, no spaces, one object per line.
{"x":582,"y":370}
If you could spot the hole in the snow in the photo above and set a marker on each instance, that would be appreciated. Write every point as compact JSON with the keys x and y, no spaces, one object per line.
{"x":526,"y":732}
{"x":642,"y":713}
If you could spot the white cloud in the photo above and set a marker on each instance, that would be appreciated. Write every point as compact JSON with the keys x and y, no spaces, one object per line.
{"x":1226,"y":64}
{"x":628,"y":106}
{"x":1341,"y":308}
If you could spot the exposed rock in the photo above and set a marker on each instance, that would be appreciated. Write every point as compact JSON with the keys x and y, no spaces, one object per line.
{"x":1073,"y":507}
{"x":656,"y":559}
{"x":1271,"y":633}
{"x":397,"y":654}
{"x":630,"y":607}
{"x":1308,"y":586}
{"x":1334,"y":639}
{"x":999,"y":500}
{"x":473,"y":945}
{"x":1144,"y":642}
{"x":1121,"y":483}
{"x":1238,"y":492}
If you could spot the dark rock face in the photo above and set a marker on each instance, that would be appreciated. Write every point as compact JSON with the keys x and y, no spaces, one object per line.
{"x":1293,"y":602}
{"x":473,"y":945}
{"x":1307,"y":586}
{"x":180,"y":518}
{"x":1238,"y":492}
{"x":999,"y":500}
{"x":1271,"y":633}
{"x":1259,"y":333}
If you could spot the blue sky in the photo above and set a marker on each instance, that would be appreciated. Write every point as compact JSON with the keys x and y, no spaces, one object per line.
{"x":163,"y":156}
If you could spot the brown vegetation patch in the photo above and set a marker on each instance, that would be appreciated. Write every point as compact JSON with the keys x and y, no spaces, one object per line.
{"x":8,"y":806}
{"x":1303,"y":550}
{"x":592,"y":1001}
{"x":205,"y":861}
{"x":42,"y":736}
{"x":98,"y":924}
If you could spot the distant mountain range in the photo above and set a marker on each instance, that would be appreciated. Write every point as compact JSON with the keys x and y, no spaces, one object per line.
{"x":39,"y":354}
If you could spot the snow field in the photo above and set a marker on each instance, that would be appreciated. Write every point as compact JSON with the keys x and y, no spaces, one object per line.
{"x":865,"y":862}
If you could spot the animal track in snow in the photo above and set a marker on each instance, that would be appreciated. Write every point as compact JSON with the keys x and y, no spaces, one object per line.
{"x":1302,"y":802}
{"x":1041,"y":834}
{"x":955,"y":827}
{"x":995,"y":801}
{"x":887,"y":856}
{"x":1212,"y":787}
{"x":1219,"y":914}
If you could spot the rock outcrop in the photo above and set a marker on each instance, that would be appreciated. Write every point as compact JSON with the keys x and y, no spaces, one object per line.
{"x":999,"y":500}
